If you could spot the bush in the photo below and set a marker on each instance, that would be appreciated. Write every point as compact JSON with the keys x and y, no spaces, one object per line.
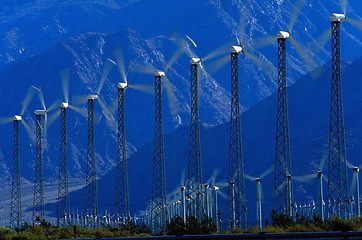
{"x":297,"y":228}
{"x":273,"y":229}
{"x":337,"y":224}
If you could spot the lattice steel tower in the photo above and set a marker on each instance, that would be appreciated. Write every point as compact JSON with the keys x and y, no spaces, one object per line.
{"x":283,"y":202}
{"x":236,"y":208}
{"x":63,"y":189}
{"x":91,"y":198}
{"x":38,"y":203}
{"x":337,"y":167}
{"x":194,"y":183}
{"x":122,"y":199}
{"x":15,"y":211}
{"x":159,"y":213}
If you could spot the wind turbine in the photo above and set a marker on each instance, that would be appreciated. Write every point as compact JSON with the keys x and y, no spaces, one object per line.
{"x":15,"y":205}
{"x":259,"y":195}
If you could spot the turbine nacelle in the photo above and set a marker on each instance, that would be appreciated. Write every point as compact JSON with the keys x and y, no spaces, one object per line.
{"x":195,"y":61}
{"x":17,"y":118}
{"x":283,"y":34}
{"x":40,"y":112}
{"x":122,"y":85}
{"x":159,"y":74}
{"x":236,"y":49}
{"x":320,"y":173}
{"x":215,"y":188}
{"x":92,"y":97}
{"x":257,"y":180}
{"x":64,"y":105}
{"x":338,"y":17}
{"x":356,"y":169}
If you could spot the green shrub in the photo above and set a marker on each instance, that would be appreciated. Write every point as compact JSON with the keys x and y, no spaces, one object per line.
{"x":337,"y":224}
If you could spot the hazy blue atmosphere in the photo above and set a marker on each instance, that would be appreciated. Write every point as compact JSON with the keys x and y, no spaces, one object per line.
{"x":41,"y":38}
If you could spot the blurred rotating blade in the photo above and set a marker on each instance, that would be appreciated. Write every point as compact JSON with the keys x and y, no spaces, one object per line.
{"x":29,"y":96}
{"x":349,"y":165}
{"x":266,"y":67}
{"x":106,"y":70}
{"x":262,"y":42}
{"x":28,"y":130}
{"x":41,"y":98}
{"x":357,"y":24}
{"x":296,"y":11}
{"x":216,"y":65}
{"x":105,"y":109}
{"x":79,"y":100}
{"x":53,"y":117}
{"x":192,"y":41}
{"x":64,"y":77}
{"x":242,"y":26}
{"x":343,"y":6}
{"x":81,"y":111}
{"x":225,"y":48}
{"x":323,"y":160}
{"x":176,"y":55}
{"x":306,"y":178}
{"x":172,"y":99}
{"x":54,"y":105}
{"x":303,"y":54}
{"x":5,"y":120}
{"x":150,"y":89}
{"x":249,"y":177}
{"x":140,"y":68}
{"x":118,"y":53}
{"x":320,"y":42}
{"x":267,"y":172}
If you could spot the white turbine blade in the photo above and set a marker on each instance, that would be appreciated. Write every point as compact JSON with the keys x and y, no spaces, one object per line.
{"x":192,"y":41}
{"x":303,"y":54}
{"x":357,"y":24}
{"x":224,"y":49}
{"x":29,"y":130}
{"x":29,"y":96}
{"x":223,"y":195}
{"x":172,"y":99}
{"x":53,"y":117}
{"x":269,"y":170}
{"x":306,"y":178}
{"x":211,"y":181}
{"x":262,"y":42}
{"x":106,"y":70}
{"x":118,"y":53}
{"x":318,"y":44}
{"x":182,"y":182}
{"x":81,"y":111}
{"x":64,"y":77}
{"x":266,"y":67}
{"x":323,"y":160}
{"x":41,"y":98}
{"x":150,"y":89}
{"x":140,"y":68}
{"x":296,"y":10}
{"x":349,"y":165}
{"x":242,"y":26}
{"x":5,"y":120}
{"x":215,"y":66}
{"x":249,"y":177}
{"x":325,"y":178}
{"x":54,"y":105}
{"x":174,"y":58}
{"x":343,"y":6}
{"x":79,"y":100}
{"x":105,"y":109}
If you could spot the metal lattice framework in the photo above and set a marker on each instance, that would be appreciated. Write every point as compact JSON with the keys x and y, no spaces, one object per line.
{"x":91,"y":199}
{"x":283,"y":202}
{"x":337,"y":168}
{"x":159,"y":213}
{"x":122,"y":198}
{"x":194,"y":188}
{"x":38,"y":203}
{"x":15,"y":211}
{"x":63,"y":189}
{"x":236,"y":211}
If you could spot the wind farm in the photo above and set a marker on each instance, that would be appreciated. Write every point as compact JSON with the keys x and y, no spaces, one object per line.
{"x":143,"y":116}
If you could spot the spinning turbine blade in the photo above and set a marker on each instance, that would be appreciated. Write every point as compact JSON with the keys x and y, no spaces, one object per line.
{"x":79,"y":100}
{"x":64,"y":76}
{"x":349,"y":165}
{"x":343,"y":6}
{"x":118,"y":53}
{"x":262,"y":42}
{"x":296,"y":10}
{"x":357,"y":24}
{"x":215,"y":66}
{"x":265,"y":67}
{"x":53,"y":117}
{"x":317,"y":46}
{"x":140,"y":68}
{"x":54,"y":105}
{"x":41,"y":98}
{"x":150,"y":89}
{"x":173,"y":59}
{"x":305,"y":178}
{"x":28,"y":130}
{"x":269,"y":170}
{"x":182,"y":183}
{"x":28,"y":98}
{"x":192,"y":41}
{"x":172,"y":99}
{"x":323,"y":160}
{"x":106,"y":70}
{"x":249,"y":177}
{"x":81,"y":111}
{"x":105,"y":109}
{"x":218,"y":52}
{"x":303,"y":54}
{"x":242,"y":27}
{"x":5,"y":120}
